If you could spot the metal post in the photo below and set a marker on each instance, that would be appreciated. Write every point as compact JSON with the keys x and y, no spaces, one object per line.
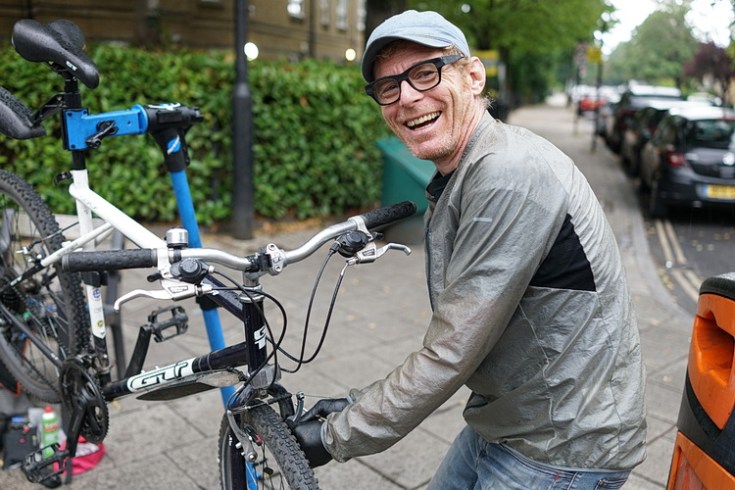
{"x":597,"y":103}
{"x":242,"y":133}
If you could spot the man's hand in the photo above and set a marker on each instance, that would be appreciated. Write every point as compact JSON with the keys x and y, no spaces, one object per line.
{"x":309,"y":436}
{"x":308,"y":432}
{"x":324,"y":407}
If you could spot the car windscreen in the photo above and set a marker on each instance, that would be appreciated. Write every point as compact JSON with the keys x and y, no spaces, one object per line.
{"x":715,"y":133}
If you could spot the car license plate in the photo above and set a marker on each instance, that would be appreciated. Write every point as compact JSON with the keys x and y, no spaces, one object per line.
{"x":720,"y":191}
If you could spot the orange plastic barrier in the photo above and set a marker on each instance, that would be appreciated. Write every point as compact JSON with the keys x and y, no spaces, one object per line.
{"x":711,"y":357}
{"x":704,"y":452}
{"x":692,"y":469}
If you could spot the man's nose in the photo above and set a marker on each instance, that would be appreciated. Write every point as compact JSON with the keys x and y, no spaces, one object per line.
{"x":408,"y":93}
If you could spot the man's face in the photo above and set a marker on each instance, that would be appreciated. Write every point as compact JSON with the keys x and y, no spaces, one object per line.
{"x":435,"y":124}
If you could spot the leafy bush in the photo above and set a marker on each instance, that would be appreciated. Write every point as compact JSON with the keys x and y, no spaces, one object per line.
{"x":314,"y":134}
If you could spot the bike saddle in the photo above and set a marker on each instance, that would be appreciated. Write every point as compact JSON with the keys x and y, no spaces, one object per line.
{"x":61,"y":43}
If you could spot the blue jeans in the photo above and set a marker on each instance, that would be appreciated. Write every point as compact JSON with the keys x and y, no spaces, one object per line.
{"x":473,"y":463}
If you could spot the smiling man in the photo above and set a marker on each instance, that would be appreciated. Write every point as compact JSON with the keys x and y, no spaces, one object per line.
{"x":531,"y":309}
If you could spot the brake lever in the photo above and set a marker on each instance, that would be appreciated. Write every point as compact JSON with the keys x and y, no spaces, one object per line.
{"x":371,"y":253}
{"x":172,"y":291}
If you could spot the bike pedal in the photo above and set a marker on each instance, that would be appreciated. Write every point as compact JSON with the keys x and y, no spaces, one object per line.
{"x":45,"y":470}
{"x":176,"y":324}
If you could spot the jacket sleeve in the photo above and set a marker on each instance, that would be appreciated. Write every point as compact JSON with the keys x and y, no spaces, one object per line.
{"x":504,"y":225}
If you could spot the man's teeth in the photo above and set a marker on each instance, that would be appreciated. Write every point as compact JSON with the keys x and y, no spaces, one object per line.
{"x":421,"y":120}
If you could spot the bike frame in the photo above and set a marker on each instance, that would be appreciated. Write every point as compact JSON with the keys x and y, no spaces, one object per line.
{"x":85,"y":380}
{"x":82,"y":130}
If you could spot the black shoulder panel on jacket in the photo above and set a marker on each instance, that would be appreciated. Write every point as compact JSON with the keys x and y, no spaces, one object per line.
{"x":566,"y":266}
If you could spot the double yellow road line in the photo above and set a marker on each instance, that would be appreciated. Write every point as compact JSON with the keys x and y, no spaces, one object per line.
{"x":675,"y":261}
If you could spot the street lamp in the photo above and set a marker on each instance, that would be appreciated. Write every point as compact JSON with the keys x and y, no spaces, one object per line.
{"x":242,"y":133}
{"x":603,"y":26}
{"x":251,"y":51}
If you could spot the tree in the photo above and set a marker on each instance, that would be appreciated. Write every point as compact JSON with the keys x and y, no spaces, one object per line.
{"x":525,"y":25}
{"x":618,"y":67}
{"x":529,"y":35}
{"x":659,"y":47}
{"x":711,"y":61}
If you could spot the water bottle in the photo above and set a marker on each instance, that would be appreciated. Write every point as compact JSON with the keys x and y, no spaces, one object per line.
{"x":49,"y":431}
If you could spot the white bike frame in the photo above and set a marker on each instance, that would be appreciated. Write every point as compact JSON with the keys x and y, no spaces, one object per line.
{"x":88,"y":202}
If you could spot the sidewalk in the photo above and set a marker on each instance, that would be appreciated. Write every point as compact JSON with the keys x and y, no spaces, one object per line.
{"x":380,"y":317}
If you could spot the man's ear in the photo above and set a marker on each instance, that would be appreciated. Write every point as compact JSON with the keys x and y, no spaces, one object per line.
{"x":477,"y":75}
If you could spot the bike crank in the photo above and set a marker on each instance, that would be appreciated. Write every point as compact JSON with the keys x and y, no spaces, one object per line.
{"x":82,"y":398}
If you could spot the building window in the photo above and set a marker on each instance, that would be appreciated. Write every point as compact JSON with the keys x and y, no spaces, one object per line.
{"x":361,"y":15}
{"x":295,"y":8}
{"x":324,"y":11}
{"x":342,"y":15}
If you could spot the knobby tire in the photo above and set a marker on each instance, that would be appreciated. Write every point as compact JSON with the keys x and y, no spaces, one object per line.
{"x":50,"y":303}
{"x":280,"y":462}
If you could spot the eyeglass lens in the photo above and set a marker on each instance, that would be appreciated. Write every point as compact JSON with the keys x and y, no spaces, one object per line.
{"x":421,"y":78}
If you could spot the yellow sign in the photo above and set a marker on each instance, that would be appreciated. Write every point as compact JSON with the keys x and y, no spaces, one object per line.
{"x":490,"y":60}
{"x":594,"y":54}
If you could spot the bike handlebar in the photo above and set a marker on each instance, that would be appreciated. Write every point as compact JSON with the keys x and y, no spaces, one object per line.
{"x":143,"y":258}
{"x":110,"y":260}
{"x":384,"y":216}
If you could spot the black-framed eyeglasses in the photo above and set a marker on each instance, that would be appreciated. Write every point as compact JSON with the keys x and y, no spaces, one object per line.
{"x":422,"y":76}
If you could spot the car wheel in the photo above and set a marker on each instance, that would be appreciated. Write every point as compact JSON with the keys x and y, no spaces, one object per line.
{"x":657,"y":208}
{"x":634,"y":167}
{"x":627,"y":164}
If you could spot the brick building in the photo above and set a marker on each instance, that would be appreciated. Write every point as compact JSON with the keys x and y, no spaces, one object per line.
{"x":290,"y":29}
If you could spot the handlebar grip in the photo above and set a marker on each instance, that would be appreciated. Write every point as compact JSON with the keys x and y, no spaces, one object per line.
{"x":389,"y":214}
{"x":109,"y":260}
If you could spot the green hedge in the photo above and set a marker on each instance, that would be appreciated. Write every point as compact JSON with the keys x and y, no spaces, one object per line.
{"x":314,"y":141}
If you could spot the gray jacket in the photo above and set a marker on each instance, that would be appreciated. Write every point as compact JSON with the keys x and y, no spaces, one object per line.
{"x":531,"y":311}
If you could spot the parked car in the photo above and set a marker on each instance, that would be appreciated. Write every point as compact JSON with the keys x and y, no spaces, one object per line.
{"x":690,"y":159}
{"x":641,"y":127}
{"x":635,"y":97}
{"x":589,"y":98}
{"x":590,"y":103}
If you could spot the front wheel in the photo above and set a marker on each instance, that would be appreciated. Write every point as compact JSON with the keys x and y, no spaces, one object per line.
{"x":278,"y":460}
{"x":657,"y":208}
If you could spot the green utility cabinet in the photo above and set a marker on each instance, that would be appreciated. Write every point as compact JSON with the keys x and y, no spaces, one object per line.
{"x":405,"y":178}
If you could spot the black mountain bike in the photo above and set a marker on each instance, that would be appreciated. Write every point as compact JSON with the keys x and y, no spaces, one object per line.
{"x":48,"y":340}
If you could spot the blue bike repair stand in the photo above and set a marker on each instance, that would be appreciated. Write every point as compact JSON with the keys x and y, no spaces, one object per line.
{"x":211,"y":318}
{"x":189,"y":220}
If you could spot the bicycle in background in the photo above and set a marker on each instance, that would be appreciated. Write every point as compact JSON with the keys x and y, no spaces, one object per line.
{"x":60,"y":45}
{"x":52,"y":334}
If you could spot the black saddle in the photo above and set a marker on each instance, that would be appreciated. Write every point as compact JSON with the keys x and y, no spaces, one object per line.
{"x":61,"y":43}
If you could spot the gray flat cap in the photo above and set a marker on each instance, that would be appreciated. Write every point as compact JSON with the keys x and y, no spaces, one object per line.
{"x":427,"y":28}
